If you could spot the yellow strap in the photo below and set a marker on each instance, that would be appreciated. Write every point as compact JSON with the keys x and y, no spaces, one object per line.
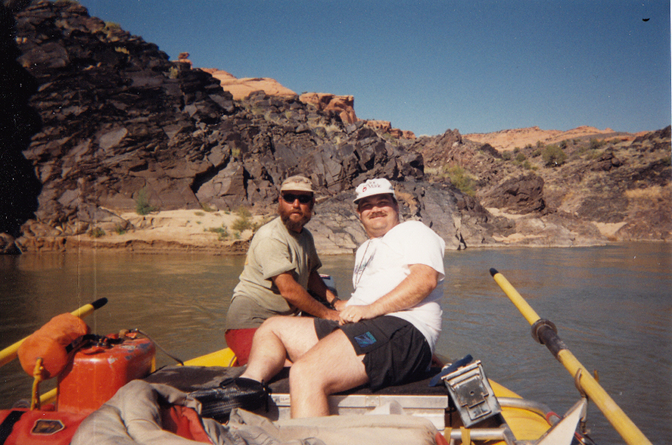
{"x":37,"y":374}
{"x":446,"y":433}
{"x":466,"y":435}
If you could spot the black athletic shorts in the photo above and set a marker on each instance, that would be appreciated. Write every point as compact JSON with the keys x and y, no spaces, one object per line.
{"x":394,"y":349}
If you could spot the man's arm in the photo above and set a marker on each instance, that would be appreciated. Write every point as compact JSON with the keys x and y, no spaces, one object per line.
{"x":297,"y":296}
{"x":317,"y":285}
{"x":416,"y":287}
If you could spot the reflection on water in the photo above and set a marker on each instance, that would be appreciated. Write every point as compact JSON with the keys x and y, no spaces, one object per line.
{"x":612,"y":306}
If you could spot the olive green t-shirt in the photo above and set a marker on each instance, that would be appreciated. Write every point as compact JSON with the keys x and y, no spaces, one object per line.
{"x":273,"y":250}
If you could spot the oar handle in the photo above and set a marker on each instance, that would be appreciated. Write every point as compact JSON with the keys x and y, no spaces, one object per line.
{"x":9,"y":353}
{"x":545,"y":333}
{"x":88,"y":308}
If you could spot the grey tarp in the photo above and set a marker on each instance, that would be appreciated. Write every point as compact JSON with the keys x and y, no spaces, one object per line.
{"x":132,"y":417}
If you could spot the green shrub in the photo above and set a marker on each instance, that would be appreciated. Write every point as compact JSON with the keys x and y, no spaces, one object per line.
{"x":244,"y":212}
{"x":241,"y":224}
{"x":119,"y":230}
{"x":222,"y":231}
{"x":553,"y":156}
{"x":520,"y":157}
{"x":96,"y":232}
{"x":461,"y":180}
{"x":507,"y":155}
{"x":595,"y":144}
{"x":142,"y":205}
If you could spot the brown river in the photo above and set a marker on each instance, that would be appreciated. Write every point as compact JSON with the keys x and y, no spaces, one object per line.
{"x":612,"y":306}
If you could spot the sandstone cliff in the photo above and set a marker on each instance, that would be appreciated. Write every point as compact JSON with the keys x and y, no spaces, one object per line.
{"x":103,"y":125}
{"x":242,"y":88}
{"x":520,"y":137}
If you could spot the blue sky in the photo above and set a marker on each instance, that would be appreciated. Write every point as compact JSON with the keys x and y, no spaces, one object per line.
{"x":429,"y":66}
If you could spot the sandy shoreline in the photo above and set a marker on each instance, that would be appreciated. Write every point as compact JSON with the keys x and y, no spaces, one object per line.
{"x":170,"y":231}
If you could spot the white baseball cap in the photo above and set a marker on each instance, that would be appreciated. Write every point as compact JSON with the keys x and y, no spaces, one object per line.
{"x":377,"y":186}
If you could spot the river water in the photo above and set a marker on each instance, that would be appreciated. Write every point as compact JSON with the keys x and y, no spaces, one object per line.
{"x":612,"y":306}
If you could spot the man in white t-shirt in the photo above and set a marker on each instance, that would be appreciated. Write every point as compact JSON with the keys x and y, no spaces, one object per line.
{"x":387,"y":332}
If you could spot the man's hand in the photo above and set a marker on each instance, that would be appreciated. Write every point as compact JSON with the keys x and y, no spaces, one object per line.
{"x":416,"y":287}
{"x":300,"y":298}
{"x":353,"y":314}
{"x":339,"y":305}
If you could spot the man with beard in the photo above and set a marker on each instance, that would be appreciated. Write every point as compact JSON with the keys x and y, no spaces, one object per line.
{"x":388,"y":330}
{"x":280,"y":268}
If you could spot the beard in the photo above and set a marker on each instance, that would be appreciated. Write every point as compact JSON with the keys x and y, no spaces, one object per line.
{"x":294,"y":224}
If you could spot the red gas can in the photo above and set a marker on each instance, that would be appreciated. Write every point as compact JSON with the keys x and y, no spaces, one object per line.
{"x":97,"y":372}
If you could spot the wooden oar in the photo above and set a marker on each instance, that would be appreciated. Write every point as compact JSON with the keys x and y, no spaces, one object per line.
{"x":9,"y":353}
{"x":545,"y":333}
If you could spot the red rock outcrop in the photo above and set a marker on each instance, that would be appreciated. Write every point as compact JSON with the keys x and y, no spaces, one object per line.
{"x":184,"y":58}
{"x":386,"y":127}
{"x":343,"y":105}
{"x":242,"y":88}
{"x":520,"y":137}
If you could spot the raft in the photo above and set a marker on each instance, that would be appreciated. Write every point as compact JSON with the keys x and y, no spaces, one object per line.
{"x":406,"y":414}
{"x":109,"y":392}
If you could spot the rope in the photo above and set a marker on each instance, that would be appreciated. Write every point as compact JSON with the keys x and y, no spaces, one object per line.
{"x":158,"y":346}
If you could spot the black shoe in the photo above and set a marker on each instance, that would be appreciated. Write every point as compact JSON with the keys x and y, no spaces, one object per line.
{"x":240,"y":392}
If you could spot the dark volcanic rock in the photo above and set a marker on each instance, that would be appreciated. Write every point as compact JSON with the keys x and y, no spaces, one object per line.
{"x":120,"y":121}
{"x":521,"y":195}
{"x":18,"y":122}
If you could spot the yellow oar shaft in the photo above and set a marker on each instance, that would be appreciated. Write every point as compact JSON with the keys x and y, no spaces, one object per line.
{"x":614,"y":414}
{"x":9,"y":353}
{"x":517,"y":299}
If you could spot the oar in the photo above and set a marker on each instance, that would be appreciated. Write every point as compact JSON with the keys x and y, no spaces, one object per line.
{"x":9,"y":353}
{"x":545,"y":333}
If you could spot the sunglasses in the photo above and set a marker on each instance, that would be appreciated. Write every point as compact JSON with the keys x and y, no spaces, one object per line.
{"x":290,"y":198}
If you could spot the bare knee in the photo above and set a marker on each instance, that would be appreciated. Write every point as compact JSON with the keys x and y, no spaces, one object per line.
{"x":271,"y":325}
{"x":303,"y":376}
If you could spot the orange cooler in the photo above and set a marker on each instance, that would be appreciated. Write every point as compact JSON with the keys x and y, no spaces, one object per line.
{"x":97,"y":372}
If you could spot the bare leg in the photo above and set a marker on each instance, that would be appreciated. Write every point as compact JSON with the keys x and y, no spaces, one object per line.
{"x":277,"y":339}
{"x":328,"y":367}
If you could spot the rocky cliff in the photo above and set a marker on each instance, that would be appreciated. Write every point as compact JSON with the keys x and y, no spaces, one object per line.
{"x":103,"y":125}
{"x":610,"y":187}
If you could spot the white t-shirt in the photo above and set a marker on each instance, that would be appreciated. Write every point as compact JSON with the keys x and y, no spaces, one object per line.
{"x":381,"y":264}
